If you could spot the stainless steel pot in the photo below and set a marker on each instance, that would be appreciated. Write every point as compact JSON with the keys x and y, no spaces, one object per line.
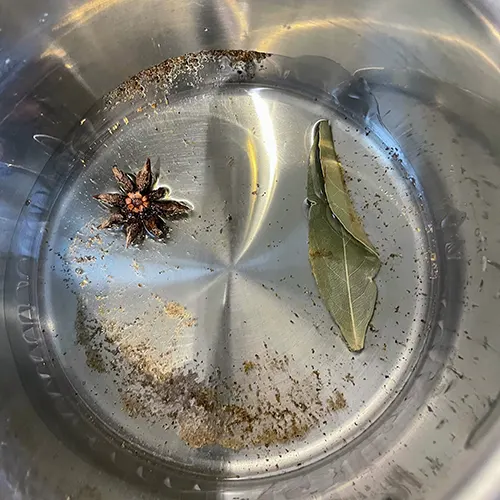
{"x":434,"y":69}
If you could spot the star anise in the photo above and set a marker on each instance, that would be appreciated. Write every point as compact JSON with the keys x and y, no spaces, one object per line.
{"x":139,"y":208}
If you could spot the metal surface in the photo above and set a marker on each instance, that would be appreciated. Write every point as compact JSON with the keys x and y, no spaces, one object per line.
{"x":422,"y":410}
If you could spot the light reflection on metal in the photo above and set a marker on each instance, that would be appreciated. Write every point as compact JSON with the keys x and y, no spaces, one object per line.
{"x":239,"y":16}
{"x":487,"y":23}
{"x":269,"y":141}
{"x":85,"y":12}
{"x":254,"y":175}
{"x":268,"y":43}
{"x":58,"y":52}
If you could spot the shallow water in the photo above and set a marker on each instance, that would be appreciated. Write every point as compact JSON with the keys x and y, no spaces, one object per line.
{"x":212,"y":349}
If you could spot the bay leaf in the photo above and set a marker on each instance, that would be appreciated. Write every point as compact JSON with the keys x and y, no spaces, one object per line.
{"x":336,"y":189}
{"x":343,"y":267}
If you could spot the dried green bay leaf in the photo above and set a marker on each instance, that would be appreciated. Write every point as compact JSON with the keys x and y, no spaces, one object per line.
{"x":335,"y":187}
{"x":343,"y":266}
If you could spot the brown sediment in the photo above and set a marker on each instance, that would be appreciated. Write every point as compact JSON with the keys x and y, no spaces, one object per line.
{"x":320,"y":253}
{"x":164,"y":74}
{"x":248,"y":365}
{"x":204,"y":411}
{"x":337,"y":401}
